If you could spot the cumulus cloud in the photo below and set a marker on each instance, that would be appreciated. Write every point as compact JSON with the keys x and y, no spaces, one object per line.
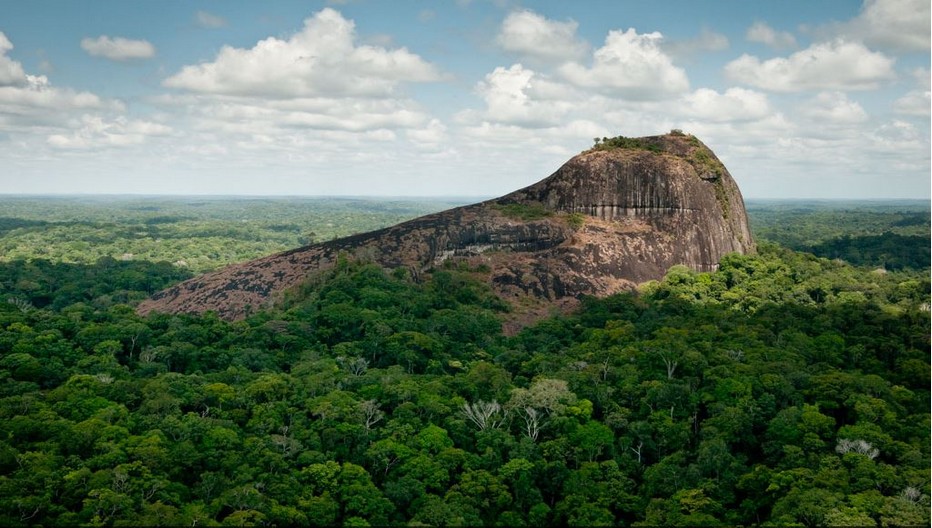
{"x":28,"y":101}
{"x":37,"y":94}
{"x":209,"y":20}
{"x":836,"y":65}
{"x":761,"y":32}
{"x":538,"y":38}
{"x":829,"y":108}
{"x":520,"y":96}
{"x":11,"y":72}
{"x":96,"y":132}
{"x":39,"y":114}
{"x":630,"y":65}
{"x":736,"y":104}
{"x":118,"y":48}
{"x":320,"y":60}
{"x":318,"y":90}
{"x":896,"y":25}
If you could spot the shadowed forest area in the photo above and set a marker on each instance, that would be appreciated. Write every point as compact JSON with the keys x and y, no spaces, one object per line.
{"x":787,"y":387}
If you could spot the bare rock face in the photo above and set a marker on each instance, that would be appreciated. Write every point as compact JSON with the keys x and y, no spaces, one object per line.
{"x":614,"y":216}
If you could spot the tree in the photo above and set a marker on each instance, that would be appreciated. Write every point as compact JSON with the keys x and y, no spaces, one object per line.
{"x":690,"y":507}
{"x":591,"y":439}
{"x":482,"y":492}
{"x":485,"y":415}
{"x":545,"y":398}
{"x":371,"y":414}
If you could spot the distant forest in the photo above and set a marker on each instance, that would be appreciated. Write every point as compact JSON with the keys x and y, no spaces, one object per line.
{"x":888,"y":235}
{"x":194,"y":233}
{"x":789,"y":387}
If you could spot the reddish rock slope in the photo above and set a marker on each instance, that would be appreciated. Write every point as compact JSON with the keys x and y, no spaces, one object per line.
{"x":608,"y":219}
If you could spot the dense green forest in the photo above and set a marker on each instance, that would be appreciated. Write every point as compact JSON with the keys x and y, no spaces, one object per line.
{"x":886,"y":234}
{"x":783,"y":388}
{"x":206,"y":233}
{"x":195,"y":233}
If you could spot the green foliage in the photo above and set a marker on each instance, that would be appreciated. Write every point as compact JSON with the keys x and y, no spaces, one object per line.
{"x":888,"y":250}
{"x":622,"y":142}
{"x":524,"y":212}
{"x":576,"y":220}
{"x":198,"y":234}
{"x":889,"y":235}
{"x":776,"y":277}
{"x":782,"y":389}
{"x":706,"y":163}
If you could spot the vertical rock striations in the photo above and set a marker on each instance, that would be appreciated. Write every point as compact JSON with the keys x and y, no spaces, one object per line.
{"x":614,"y":216}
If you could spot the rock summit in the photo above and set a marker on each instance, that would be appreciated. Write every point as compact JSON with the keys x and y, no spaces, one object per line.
{"x":614,"y":216}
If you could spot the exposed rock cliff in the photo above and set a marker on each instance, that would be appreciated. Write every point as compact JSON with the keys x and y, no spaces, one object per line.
{"x":614,"y":216}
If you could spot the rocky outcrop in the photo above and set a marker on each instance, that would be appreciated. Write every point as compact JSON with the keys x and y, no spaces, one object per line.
{"x":617,"y":215}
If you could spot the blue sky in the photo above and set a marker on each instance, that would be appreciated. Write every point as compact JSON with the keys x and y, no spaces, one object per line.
{"x":800,"y":99}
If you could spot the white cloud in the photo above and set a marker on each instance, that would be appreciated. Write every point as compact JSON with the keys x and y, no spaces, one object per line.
{"x":895,"y":135}
{"x":517,"y":156}
{"x":761,"y":32}
{"x":431,"y":135}
{"x":30,"y":101}
{"x":95,"y":132}
{"x":308,"y":98}
{"x":833,"y":108}
{"x":38,"y":115}
{"x":11,"y":72}
{"x":735,"y":135}
{"x":836,"y":65}
{"x":38,"y":95}
{"x":736,"y":104}
{"x":321,"y":60}
{"x":897,"y":25}
{"x":630,"y":65}
{"x":538,"y":38}
{"x":359,"y":116}
{"x":294,"y":116}
{"x":521,"y":97}
{"x":209,"y":20}
{"x":707,"y":40}
{"x":118,"y":48}
{"x":915,"y":102}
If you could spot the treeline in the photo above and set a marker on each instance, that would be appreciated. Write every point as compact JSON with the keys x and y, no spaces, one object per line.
{"x":206,"y":233}
{"x":198,"y":234}
{"x":781,"y":389}
{"x":889,"y":250}
{"x":886,"y":235}
{"x":41,"y":283}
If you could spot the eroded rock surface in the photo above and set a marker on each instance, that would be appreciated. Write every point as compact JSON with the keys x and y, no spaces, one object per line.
{"x":608,"y":219}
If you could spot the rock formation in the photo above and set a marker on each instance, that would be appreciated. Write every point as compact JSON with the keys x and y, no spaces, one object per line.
{"x":614,"y":216}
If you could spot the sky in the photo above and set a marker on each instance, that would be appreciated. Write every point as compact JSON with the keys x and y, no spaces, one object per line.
{"x":799,"y":99}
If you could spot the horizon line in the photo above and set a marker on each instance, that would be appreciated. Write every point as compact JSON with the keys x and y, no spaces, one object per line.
{"x":399,"y":196}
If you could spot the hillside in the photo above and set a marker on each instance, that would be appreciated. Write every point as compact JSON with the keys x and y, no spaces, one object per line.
{"x":612,"y":217}
{"x":782,"y":389}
